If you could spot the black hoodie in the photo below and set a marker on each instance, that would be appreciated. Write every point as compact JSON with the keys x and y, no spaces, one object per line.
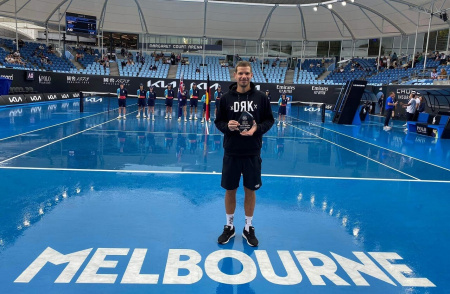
{"x":232,"y":104}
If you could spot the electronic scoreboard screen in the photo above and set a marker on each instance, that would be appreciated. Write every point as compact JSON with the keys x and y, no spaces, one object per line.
{"x":79,"y":24}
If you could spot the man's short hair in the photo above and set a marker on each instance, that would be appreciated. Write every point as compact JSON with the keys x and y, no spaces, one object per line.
{"x":391,"y":93}
{"x":413,"y":95}
{"x":243,"y":63}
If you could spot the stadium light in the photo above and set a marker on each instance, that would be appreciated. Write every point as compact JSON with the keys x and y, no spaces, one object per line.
{"x":315,"y":8}
{"x":352,"y":1}
{"x":330,"y":6}
{"x":344,"y":3}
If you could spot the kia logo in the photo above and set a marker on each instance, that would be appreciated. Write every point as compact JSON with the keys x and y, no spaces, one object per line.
{"x":15,"y":99}
{"x":35,"y":98}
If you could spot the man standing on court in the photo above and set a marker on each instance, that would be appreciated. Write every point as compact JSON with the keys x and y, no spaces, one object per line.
{"x":390,"y":104}
{"x":169,"y":94}
{"x":242,"y":106}
{"x":122,"y":94}
{"x":411,"y":108}
{"x":141,"y":94}
{"x":194,"y":94}
{"x":151,"y":97}
{"x":217,"y":95}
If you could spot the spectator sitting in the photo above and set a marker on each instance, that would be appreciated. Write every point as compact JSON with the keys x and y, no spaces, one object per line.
{"x":154,"y":68}
{"x":311,"y":65}
{"x":41,"y":47}
{"x":443,"y":74}
{"x":197,"y":70}
{"x":318,"y":65}
{"x":274,"y":64}
{"x":434,"y":74}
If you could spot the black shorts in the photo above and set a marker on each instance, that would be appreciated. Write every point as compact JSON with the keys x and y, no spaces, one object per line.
{"x":151,"y":102}
{"x":193,"y":102}
{"x":248,"y":166}
{"x":122,"y":102}
{"x":409,"y":116}
{"x":282,"y":110}
{"x":169,"y":102}
{"x":182,"y":103}
{"x":204,"y":106}
{"x":141,"y":102}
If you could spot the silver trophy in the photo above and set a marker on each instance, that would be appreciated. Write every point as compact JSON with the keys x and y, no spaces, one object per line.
{"x":246,"y":121}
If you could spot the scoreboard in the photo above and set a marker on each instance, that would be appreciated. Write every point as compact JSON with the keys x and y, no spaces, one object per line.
{"x":79,"y":24}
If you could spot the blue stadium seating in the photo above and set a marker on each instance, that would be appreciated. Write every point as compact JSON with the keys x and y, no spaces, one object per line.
{"x":213,"y":68}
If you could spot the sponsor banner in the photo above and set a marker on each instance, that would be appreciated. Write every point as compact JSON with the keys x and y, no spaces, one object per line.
{"x":63,"y":83}
{"x":114,"y":81}
{"x":44,"y":79}
{"x":51,"y":96}
{"x":77,"y":79}
{"x":32,"y":98}
{"x":8,"y":76}
{"x":64,"y":96}
{"x":74,"y":95}
{"x":423,"y":129}
{"x":190,"y":47}
{"x":14,"y":99}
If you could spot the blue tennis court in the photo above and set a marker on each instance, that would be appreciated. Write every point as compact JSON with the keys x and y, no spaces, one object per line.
{"x":93,"y":204}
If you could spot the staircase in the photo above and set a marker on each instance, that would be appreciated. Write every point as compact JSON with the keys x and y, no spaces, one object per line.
{"x":289,"y":77}
{"x":114,"y":69}
{"x":77,"y":64}
{"x":324,"y":75}
{"x":172,"y":74}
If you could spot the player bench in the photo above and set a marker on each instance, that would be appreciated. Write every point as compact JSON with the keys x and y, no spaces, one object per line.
{"x":429,"y":125}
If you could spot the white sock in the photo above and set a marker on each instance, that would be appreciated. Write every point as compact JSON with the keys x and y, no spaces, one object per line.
{"x":248,"y":222}
{"x":230,"y":220}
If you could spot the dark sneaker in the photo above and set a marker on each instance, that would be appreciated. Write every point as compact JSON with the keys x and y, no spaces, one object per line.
{"x":250,"y":237}
{"x":227,"y":234}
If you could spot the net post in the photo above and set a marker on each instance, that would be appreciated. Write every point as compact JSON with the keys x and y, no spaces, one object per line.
{"x":81,"y":102}
{"x":323,"y":112}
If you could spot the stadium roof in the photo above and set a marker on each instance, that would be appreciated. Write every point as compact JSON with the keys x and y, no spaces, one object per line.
{"x":287,"y":20}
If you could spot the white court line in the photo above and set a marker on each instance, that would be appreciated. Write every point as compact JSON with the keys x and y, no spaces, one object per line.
{"x":216,"y":174}
{"x":331,"y":142}
{"x":435,"y":165}
{"x":21,"y":134}
{"x":59,"y":140}
{"x":207,"y":128}
{"x":158,"y":133}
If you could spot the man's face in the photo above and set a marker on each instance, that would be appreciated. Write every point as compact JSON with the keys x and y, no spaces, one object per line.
{"x":121,"y":86}
{"x":243,"y":76}
{"x":194,"y":86}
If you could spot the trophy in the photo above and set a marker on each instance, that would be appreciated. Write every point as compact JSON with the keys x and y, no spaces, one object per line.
{"x":245,"y":121}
